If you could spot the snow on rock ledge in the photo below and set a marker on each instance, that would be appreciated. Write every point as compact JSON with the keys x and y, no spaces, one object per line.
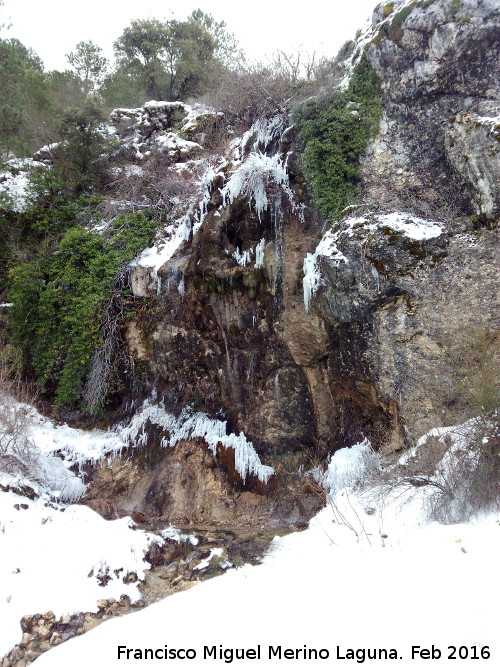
{"x":334,"y":244}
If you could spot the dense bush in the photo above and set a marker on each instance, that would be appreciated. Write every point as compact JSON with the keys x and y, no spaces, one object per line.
{"x":335,"y":131}
{"x":58,"y":301}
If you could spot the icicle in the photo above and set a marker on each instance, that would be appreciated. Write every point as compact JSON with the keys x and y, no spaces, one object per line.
{"x":194,"y":425}
{"x":259,"y":254}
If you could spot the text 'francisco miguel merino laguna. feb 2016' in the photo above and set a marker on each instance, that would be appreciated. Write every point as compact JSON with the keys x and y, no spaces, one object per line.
{"x":228,"y":655}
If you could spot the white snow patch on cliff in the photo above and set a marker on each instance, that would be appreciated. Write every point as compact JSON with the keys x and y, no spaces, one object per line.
{"x":411,"y":226}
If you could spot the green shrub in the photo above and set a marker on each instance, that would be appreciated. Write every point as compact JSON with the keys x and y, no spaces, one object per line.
{"x":401,"y":16}
{"x":54,"y":207}
{"x":335,"y":131}
{"x":58,"y":301}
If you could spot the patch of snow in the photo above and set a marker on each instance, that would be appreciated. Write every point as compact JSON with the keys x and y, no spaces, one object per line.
{"x":15,"y":183}
{"x":175,"y":535}
{"x":193,"y":114}
{"x":58,"y":560}
{"x":133,"y":170}
{"x":173,"y":145}
{"x":215,"y":552}
{"x":411,"y":226}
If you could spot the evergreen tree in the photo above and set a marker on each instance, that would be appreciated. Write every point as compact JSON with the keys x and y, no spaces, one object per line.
{"x":89,"y":64}
{"x":175,"y":59}
{"x":25,"y":100}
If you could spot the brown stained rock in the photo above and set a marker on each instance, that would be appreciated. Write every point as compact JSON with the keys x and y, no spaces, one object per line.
{"x":43,"y":632}
{"x":27,"y":639}
{"x":16,"y":655}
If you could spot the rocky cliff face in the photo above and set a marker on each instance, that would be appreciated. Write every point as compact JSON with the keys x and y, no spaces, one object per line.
{"x":309,"y":341}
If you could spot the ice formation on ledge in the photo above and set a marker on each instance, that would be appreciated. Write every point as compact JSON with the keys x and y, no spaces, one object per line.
{"x":187,"y":223}
{"x":327,"y":247}
{"x":347,"y":467}
{"x":195,"y":425}
{"x":245,"y":257}
{"x":253,"y":177}
{"x":257,"y":173}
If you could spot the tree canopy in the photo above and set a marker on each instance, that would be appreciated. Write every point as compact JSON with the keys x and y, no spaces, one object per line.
{"x":89,"y":64}
{"x":175,"y":59}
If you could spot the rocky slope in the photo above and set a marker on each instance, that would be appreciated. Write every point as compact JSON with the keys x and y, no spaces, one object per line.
{"x":383,"y":328}
{"x":306,"y":339}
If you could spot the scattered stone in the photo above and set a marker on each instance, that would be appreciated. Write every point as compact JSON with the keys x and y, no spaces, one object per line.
{"x":130,"y":578}
{"x":43,"y":633}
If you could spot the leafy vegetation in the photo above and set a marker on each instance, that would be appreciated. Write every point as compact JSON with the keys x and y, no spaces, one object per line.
{"x":164,"y":60}
{"x":335,"y":131}
{"x":58,"y":301}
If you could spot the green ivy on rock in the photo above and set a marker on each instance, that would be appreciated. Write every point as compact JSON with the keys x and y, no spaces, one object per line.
{"x":335,"y":131}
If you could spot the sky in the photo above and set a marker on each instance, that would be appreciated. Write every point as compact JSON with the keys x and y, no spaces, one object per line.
{"x":53,"y":27}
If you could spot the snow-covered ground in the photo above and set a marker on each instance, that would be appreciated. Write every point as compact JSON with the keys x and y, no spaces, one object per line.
{"x":55,"y":558}
{"x":367,"y":575}
{"x":54,"y":555}
{"x":352,"y":582}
